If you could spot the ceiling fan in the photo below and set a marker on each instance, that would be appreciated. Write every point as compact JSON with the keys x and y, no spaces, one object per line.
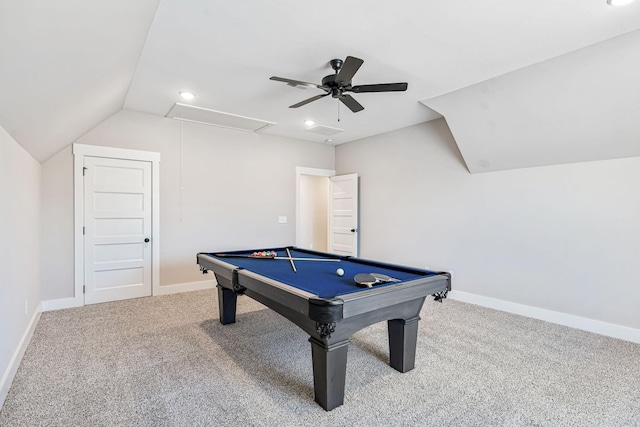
{"x":339,"y":83}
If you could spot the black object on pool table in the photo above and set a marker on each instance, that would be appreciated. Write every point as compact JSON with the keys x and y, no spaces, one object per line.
{"x":365,"y":280}
{"x":384,"y":278}
{"x":328,"y":307}
{"x":368,"y":280}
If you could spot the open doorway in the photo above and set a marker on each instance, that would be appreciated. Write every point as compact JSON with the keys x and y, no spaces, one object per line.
{"x":312,"y":196}
{"x":327,"y":211}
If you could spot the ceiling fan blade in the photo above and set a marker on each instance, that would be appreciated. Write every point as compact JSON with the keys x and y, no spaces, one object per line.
{"x":382,"y":87}
{"x":348,"y":69}
{"x":351,"y":103}
{"x":306,"y":101}
{"x":291,"y":82}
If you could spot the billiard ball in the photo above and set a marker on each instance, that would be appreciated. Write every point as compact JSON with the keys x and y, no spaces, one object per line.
{"x":339,"y":272}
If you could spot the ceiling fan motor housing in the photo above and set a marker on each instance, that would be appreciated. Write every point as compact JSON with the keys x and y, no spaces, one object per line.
{"x":329,"y":84}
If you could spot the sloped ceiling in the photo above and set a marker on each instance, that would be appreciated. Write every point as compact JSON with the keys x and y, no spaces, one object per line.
{"x":521,"y":84}
{"x":66,"y":66}
{"x":578,"y":107}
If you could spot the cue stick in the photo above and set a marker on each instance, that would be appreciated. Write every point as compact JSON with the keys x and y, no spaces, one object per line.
{"x":291,"y":261}
{"x":276,"y":257}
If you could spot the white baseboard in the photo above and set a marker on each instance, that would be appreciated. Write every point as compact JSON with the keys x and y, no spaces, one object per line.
{"x":62,"y":303}
{"x":589,"y":325}
{"x":10,"y":373}
{"x":184,"y":287}
{"x":59,"y":304}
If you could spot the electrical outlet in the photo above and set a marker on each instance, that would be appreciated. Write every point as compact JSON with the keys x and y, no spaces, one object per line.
{"x":282,"y":219}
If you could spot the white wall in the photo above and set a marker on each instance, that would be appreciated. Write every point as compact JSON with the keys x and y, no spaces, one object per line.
{"x":19,"y":254}
{"x":314,"y":211}
{"x":235,"y":186}
{"x":562,"y":238}
{"x":57,"y":226}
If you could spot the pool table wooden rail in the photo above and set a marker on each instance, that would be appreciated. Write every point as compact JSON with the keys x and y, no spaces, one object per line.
{"x":323,"y":310}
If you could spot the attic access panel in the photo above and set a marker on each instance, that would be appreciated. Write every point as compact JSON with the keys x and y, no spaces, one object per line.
{"x":190,"y":113}
{"x":325,"y":130}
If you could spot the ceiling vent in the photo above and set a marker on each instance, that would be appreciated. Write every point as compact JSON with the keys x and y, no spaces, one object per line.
{"x":189,"y":113}
{"x":325,"y":130}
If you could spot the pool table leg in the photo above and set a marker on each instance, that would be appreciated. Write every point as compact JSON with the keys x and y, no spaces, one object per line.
{"x":403,"y":336}
{"x":329,"y":372}
{"x":227,"y":305}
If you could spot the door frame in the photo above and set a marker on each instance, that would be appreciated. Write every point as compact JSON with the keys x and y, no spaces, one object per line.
{"x":79,"y":152}
{"x":307,"y":171}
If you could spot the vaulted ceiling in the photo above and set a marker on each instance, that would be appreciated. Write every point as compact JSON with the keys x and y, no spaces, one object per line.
{"x":521,"y":84}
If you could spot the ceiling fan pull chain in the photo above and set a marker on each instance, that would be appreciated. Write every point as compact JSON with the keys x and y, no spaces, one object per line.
{"x":338,"y":111}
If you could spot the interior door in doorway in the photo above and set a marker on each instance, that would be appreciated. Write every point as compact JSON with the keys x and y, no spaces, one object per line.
{"x":343,"y":215}
{"x":117,"y":229}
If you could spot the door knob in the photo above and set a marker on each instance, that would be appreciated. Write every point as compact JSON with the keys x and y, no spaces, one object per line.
{"x":353,"y":230}
{"x":146,"y":240}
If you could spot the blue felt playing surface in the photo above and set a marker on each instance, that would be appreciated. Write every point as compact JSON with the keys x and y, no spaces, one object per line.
{"x":319,"y":277}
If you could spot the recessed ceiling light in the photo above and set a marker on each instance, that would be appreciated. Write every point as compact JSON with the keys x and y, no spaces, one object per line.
{"x":328,"y":140}
{"x":309,"y":122}
{"x":187,"y":95}
{"x":618,"y":2}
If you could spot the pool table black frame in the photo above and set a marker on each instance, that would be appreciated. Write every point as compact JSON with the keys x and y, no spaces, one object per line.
{"x":331,"y":322}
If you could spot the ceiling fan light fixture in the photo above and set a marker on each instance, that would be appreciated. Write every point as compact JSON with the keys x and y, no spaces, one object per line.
{"x":618,"y":2}
{"x":187,"y":95}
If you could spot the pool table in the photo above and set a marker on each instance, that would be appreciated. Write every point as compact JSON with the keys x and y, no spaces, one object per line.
{"x":327,"y":306}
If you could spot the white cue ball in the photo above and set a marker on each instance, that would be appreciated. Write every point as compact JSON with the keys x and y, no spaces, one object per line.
{"x":339,"y":272}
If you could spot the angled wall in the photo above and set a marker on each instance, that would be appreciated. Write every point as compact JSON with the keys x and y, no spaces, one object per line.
{"x":562,"y":240}
{"x":578,"y":107}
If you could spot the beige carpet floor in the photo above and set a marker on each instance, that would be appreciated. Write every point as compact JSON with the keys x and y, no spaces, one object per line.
{"x":167,"y":361}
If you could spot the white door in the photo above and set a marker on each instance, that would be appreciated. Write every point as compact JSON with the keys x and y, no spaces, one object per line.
{"x":117,"y":229}
{"x":343,"y":215}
